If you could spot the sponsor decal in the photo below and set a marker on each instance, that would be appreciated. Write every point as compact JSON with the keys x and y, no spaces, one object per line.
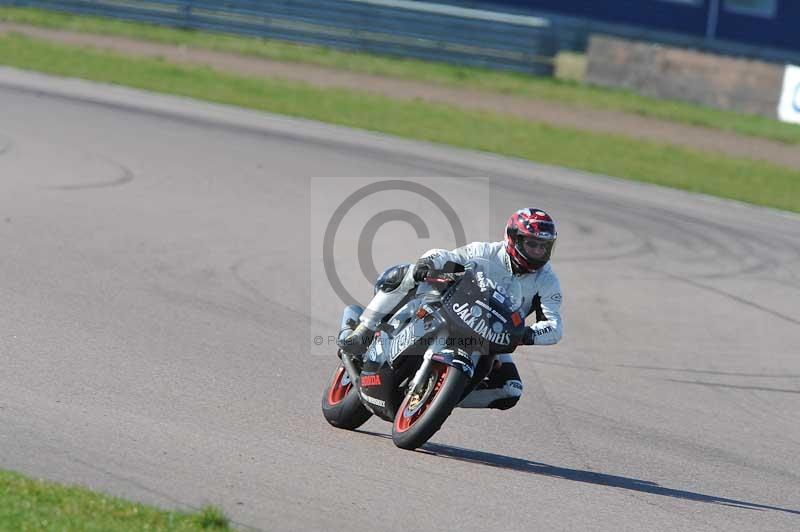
{"x":499,"y":316}
{"x":402,"y":341}
{"x":484,"y":305}
{"x":479,"y":325}
{"x":556,"y":297}
{"x":484,"y":283}
{"x":539,"y":332}
{"x":516,"y":319}
{"x":497,"y":327}
{"x":370,"y":380}
{"x":506,"y":260}
{"x":375,"y":350}
{"x":514,"y":384}
{"x":373,"y":401}
{"x":499,"y":297}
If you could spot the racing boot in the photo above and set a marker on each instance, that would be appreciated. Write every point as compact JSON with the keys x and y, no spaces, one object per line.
{"x":357,"y":342}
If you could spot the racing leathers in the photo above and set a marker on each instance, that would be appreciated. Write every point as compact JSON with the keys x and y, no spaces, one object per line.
{"x":542,"y":298}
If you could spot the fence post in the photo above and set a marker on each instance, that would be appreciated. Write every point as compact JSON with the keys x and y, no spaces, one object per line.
{"x":186,"y":14}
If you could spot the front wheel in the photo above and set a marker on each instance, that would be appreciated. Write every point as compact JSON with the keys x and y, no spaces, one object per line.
{"x":340,"y":403}
{"x":422,"y":414}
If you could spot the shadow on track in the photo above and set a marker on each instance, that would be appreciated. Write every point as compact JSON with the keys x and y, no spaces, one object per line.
{"x":577,"y":475}
{"x":736,"y":386}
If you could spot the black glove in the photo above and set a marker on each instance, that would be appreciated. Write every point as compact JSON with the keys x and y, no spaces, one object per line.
{"x":527,"y":337}
{"x":422,"y":268}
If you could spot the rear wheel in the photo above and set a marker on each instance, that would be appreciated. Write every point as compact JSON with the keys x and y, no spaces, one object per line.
{"x":422,"y":414}
{"x":340,"y":403}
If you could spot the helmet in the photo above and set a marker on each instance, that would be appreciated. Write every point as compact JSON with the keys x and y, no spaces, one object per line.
{"x":530,"y":239}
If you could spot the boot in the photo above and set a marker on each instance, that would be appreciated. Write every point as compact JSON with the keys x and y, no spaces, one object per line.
{"x":357,"y":342}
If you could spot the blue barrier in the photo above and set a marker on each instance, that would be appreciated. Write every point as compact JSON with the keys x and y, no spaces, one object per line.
{"x":404,"y":28}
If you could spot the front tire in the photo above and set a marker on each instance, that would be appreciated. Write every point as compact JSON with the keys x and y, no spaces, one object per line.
{"x":421,"y":415}
{"x":340,"y":403}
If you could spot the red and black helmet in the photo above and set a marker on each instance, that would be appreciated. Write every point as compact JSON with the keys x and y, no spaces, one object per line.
{"x":530,"y":239}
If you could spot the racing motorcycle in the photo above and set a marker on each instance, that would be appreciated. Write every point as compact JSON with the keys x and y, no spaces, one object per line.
{"x":428,"y":354}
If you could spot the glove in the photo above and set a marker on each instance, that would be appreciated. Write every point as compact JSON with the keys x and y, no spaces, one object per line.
{"x":527,"y":337}
{"x":422,"y":268}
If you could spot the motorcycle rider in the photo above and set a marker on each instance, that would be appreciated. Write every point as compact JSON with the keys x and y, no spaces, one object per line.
{"x":526,"y":251}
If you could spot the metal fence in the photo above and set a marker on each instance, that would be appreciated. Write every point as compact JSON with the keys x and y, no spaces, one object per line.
{"x":574,"y":31}
{"x":394,"y":27}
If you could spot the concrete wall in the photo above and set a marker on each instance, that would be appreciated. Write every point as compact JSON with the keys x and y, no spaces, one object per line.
{"x":680,"y":74}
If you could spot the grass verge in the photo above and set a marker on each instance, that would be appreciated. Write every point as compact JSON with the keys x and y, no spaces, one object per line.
{"x":562,"y":91}
{"x":742,"y":179}
{"x":27,"y":504}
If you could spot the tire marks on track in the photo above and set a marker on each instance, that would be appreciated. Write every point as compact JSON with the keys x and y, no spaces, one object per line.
{"x":6,"y":144}
{"x":125,"y":176}
{"x":736,"y":386}
{"x":729,"y":296}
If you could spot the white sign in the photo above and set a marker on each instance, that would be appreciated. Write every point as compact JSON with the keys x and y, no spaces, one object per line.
{"x":789,"y":106}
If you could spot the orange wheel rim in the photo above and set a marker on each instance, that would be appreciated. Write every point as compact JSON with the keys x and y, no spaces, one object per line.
{"x":338,"y":389}
{"x":407,"y":416}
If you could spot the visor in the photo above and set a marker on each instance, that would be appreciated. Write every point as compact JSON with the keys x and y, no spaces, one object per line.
{"x":536,"y":248}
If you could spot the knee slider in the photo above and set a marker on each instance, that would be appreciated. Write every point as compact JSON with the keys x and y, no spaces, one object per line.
{"x":390,"y":280}
{"x":504,"y":404}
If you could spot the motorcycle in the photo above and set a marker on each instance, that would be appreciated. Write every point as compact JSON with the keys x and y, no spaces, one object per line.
{"x":428,"y":354}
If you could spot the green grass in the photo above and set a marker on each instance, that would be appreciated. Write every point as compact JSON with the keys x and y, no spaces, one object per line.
{"x":567,"y":92}
{"x":741,"y":179}
{"x":27,"y":504}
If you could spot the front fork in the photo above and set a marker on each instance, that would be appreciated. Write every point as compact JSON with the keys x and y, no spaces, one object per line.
{"x":352,"y":372}
{"x":439,"y":352}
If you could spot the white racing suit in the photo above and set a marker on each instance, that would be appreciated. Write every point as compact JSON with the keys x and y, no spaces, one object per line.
{"x":542,"y":298}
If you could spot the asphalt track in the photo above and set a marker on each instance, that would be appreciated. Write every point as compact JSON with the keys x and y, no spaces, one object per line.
{"x":156,"y":312}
